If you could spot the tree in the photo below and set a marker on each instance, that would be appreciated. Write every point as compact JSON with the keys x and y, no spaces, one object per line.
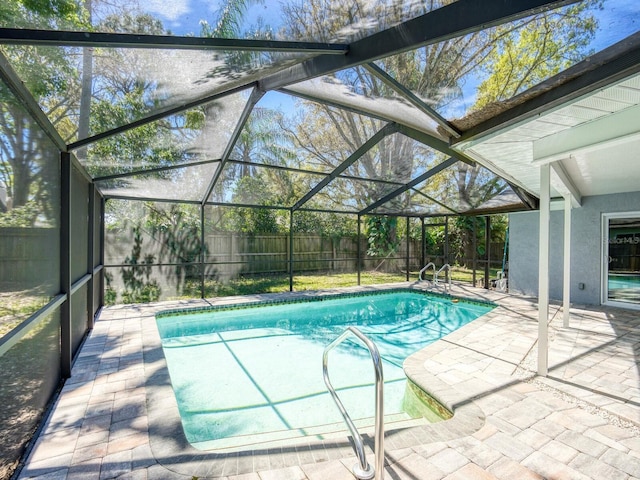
{"x":262,"y":140}
{"x":436,"y":73}
{"x":27,"y":13}
{"x":250,"y":220}
{"x":28,"y":160}
{"x":122,"y":95}
{"x":433,"y":72}
{"x":536,"y":48}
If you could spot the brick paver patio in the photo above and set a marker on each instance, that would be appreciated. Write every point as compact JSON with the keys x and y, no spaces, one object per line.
{"x":115,"y":417}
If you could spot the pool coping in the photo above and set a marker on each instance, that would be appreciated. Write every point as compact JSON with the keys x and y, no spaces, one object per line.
{"x":173,"y":451}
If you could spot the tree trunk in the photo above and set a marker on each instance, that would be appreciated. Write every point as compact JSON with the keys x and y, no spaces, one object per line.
{"x":87,"y":87}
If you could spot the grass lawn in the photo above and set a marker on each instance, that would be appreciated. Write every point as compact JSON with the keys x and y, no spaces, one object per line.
{"x":16,"y":307}
{"x":251,"y":284}
{"x":279,"y":282}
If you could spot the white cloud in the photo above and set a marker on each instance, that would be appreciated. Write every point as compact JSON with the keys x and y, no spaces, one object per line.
{"x":170,"y":9}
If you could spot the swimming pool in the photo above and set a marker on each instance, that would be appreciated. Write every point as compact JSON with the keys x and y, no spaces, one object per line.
{"x":252,"y":374}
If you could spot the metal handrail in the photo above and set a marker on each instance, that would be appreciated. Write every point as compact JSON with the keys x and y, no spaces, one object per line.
{"x":425,"y":268}
{"x":363,"y":470}
{"x":446,"y":267}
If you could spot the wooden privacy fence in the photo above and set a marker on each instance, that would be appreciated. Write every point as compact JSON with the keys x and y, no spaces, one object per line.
{"x":232,"y":253}
{"x":28,"y":257}
{"x":270,"y":253}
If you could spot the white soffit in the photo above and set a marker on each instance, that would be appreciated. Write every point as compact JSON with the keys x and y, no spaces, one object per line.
{"x":595,"y":139}
{"x":610,"y":168}
{"x":619,"y":127}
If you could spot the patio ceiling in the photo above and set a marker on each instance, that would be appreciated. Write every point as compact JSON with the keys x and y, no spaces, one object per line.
{"x":579,"y":120}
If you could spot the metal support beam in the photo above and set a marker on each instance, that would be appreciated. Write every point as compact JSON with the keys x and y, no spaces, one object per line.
{"x":291,"y":250}
{"x":487,"y":251}
{"x":255,"y":97}
{"x":475,"y":249}
{"x":102,"y":242}
{"x":412,"y":98}
{"x":529,"y":200}
{"x":157,"y":116}
{"x":364,"y":148}
{"x":203,"y":249}
{"x":437,"y":202}
{"x":543,"y":271}
{"x":24,"y":96}
{"x":453,"y":20}
{"x":152,"y":170}
{"x":566,"y":280}
{"x":53,"y":38}
{"x":446,"y":240}
{"x":408,"y":247}
{"x":423,"y":242}
{"x":152,"y":199}
{"x":90,"y":253}
{"x":66,"y":344}
{"x":435,"y":143}
{"x":358,"y":247}
{"x":416,"y":181}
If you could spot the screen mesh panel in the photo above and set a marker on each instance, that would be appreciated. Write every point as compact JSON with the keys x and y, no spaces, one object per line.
{"x":29,"y":375}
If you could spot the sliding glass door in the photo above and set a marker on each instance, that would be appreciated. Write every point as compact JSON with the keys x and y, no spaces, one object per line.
{"x":621,"y":272}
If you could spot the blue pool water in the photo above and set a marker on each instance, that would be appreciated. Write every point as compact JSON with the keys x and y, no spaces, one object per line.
{"x":617,"y":281}
{"x":245,"y":375}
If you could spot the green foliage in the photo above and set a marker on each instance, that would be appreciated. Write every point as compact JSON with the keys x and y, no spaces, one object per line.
{"x":28,"y":160}
{"x":32,"y":13}
{"x":535,"y":49}
{"x":253,"y":190}
{"x":23,"y":216}
{"x":230,"y":18}
{"x":461,"y":236}
{"x":124,"y":98}
{"x":228,"y":24}
{"x":253,"y":221}
{"x":382,"y":236}
{"x":334,"y":225}
{"x":139,"y":288}
{"x":148,"y":145}
{"x":110,"y":294}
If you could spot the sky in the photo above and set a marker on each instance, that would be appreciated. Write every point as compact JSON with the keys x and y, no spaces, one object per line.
{"x":618,"y":19}
{"x":183,"y":17}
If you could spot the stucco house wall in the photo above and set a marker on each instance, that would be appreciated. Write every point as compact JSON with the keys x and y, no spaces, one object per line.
{"x":586,"y":248}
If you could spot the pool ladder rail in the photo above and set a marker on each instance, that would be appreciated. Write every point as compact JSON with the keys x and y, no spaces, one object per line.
{"x":362,"y":470}
{"x":436,"y":274}
{"x":425,"y":268}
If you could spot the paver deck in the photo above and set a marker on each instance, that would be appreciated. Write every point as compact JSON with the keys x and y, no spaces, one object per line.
{"x":116,"y":415}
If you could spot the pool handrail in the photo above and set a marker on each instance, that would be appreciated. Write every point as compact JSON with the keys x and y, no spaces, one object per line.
{"x":425,"y":268}
{"x":447,"y":285}
{"x":363,"y":470}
